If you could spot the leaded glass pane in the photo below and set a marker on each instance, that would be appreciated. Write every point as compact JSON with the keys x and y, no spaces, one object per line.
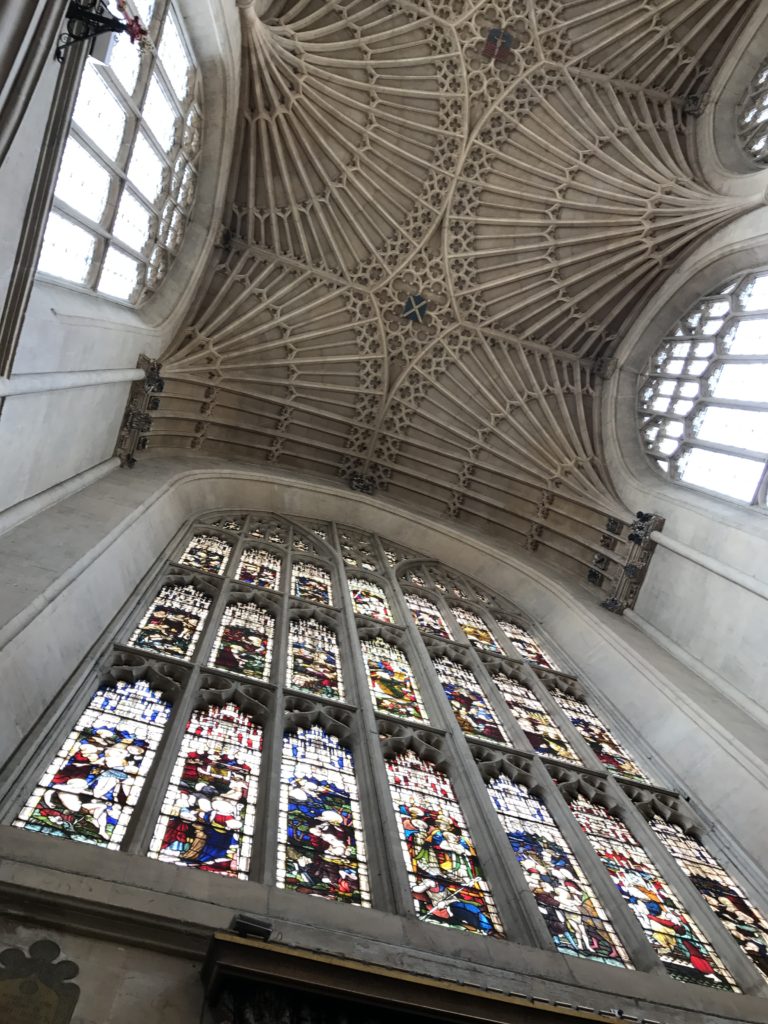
{"x":159,"y":114}
{"x":475,"y":630}
{"x":314,"y":665}
{"x":368,"y":599}
{"x":728,"y":900}
{"x":427,"y":616}
{"x":321,"y":851}
{"x":207,"y":818}
{"x":133,"y":223}
{"x":540,"y":731}
{"x":67,"y":250}
{"x":677,"y":940}
{"x":526,"y":645}
{"x":173,"y":55}
{"x":173,"y":623}
{"x":243,"y":641}
{"x":311,"y":582}
{"x":598,"y":736}
{"x":391,"y":680}
{"x":119,"y":275}
{"x":468,"y":702}
{"x":98,"y":112}
{"x":260,"y":568}
{"x":576,"y":920}
{"x":83,"y":183}
{"x":444,"y":871}
{"x":207,"y":553}
{"x":90,"y":789}
{"x":145,"y":170}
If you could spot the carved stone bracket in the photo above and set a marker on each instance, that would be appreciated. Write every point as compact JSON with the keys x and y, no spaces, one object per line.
{"x":137,"y":419}
{"x":636,"y":562}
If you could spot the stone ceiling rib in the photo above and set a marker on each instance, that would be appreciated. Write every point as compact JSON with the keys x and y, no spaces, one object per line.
{"x":436,"y":238}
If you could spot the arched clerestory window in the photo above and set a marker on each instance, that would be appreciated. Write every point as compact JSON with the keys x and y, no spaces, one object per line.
{"x":127,"y":179}
{"x":258,"y":717}
{"x":702,"y":403}
{"x":752,"y":128}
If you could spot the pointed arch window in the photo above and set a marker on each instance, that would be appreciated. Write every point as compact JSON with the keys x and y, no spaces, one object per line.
{"x":369,"y":599}
{"x":128,"y":175}
{"x":527,"y":645}
{"x":752,"y":124}
{"x":475,"y":630}
{"x":427,"y":616}
{"x":222,"y":737}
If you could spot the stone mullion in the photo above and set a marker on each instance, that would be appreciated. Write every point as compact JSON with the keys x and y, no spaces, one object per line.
{"x":729,"y":951}
{"x":264,"y":860}
{"x":628,"y":929}
{"x":382,"y":844}
{"x":141,"y":828}
{"x":514,"y":906}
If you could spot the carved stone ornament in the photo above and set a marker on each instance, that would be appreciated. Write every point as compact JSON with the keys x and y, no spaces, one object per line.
{"x":34,"y":989}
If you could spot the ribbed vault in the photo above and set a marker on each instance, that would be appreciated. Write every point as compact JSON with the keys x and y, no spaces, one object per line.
{"x":442,"y":215}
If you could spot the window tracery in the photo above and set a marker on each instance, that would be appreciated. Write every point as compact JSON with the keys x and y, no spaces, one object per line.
{"x":753,"y":117}
{"x":205,"y":650}
{"x":703,"y":414}
{"x":128,"y":174}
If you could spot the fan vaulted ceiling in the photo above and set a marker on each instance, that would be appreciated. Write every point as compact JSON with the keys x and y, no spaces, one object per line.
{"x":441,"y":214}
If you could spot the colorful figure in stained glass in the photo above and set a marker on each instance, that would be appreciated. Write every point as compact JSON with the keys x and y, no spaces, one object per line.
{"x":608,"y":750}
{"x":728,"y":900}
{"x":446,"y":879}
{"x":90,"y":789}
{"x":475,"y":630}
{"x":207,"y":818}
{"x":391,"y":680}
{"x":314,"y":665}
{"x":260,"y":568}
{"x":680,"y":945}
{"x":576,"y":920}
{"x":311,"y":582}
{"x":173,"y":623}
{"x":243,"y":641}
{"x":321,"y":850}
{"x":207,"y":553}
{"x":526,"y":645}
{"x":427,"y":616}
{"x":540,"y":731}
{"x":470,"y":705}
{"x":368,"y":599}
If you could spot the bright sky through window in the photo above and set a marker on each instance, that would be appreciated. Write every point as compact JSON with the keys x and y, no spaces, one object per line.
{"x":703,"y":407}
{"x":127,"y":178}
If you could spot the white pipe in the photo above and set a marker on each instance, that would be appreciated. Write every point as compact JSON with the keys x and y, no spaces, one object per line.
{"x":23,"y":510}
{"x":33,"y":383}
{"x":727,"y":572}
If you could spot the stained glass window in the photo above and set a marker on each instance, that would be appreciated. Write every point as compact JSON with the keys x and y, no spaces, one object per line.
{"x":445,"y":875}
{"x":243,"y":641}
{"x":426,"y":616}
{"x":207,"y":818}
{"x":526,"y":645}
{"x":261,"y":568}
{"x":608,"y":750}
{"x":414,"y":579}
{"x":679,"y":943}
{"x":314,"y":665}
{"x":703,"y":413}
{"x":540,"y":731}
{"x":311,"y":583}
{"x":129,"y":133}
{"x":90,"y":789}
{"x":724,"y":896}
{"x":207,"y":553}
{"x":173,"y":623}
{"x":357,"y":551}
{"x":470,"y":705}
{"x":576,"y":920}
{"x":475,"y":630}
{"x":268,"y":529}
{"x":391,"y":680}
{"x":368,"y":599}
{"x":233,"y":523}
{"x":321,"y":850}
